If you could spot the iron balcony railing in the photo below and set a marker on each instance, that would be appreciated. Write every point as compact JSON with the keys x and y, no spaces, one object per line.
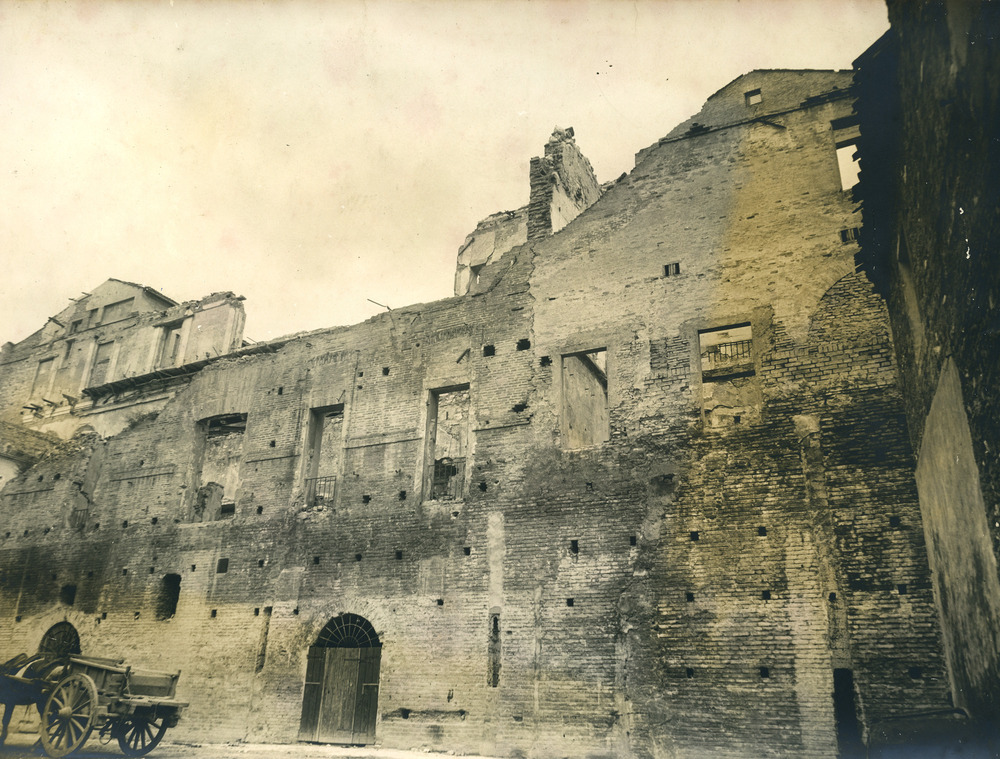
{"x":320,"y":491}
{"x":727,"y":354}
{"x":445,"y":478}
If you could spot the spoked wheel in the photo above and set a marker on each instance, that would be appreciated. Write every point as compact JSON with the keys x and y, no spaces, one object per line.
{"x":68,"y":715}
{"x":139,"y":735}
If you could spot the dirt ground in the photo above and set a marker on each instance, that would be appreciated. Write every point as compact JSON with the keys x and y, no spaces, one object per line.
{"x":21,"y":746}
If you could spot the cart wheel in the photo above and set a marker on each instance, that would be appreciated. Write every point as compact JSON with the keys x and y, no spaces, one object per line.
{"x":68,"y":715}
{"x":138,"y":735}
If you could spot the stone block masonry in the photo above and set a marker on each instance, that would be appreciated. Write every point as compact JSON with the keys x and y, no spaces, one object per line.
{"x":645,"y":491}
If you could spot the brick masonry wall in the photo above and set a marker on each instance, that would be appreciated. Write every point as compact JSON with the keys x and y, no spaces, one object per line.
{"x":937,"y":238}
{"x":588,"y":556}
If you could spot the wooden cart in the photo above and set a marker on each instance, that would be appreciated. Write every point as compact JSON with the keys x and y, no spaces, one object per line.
{"x":133,"y":706}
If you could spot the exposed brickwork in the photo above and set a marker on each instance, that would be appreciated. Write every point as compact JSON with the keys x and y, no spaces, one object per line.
{"x":929,"y":107}
{"x":682,"y":589}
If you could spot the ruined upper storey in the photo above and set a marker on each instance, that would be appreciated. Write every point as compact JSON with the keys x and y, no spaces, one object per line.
{"x":757,"y":95}
{"x":562,"y":186}
{"x":118,"y":330}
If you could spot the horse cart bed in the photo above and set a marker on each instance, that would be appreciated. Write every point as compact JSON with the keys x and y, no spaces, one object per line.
{"x":76,"y":695}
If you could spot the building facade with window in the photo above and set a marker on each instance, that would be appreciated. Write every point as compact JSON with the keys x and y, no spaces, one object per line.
{"x":641,"y":488}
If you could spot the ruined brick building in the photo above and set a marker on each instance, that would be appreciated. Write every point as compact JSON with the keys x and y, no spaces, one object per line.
{"x":929,"y":107}
{"x":643,"y":487}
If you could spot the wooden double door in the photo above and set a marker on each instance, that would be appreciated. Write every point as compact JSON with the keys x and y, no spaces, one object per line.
{"x":340,"y":701}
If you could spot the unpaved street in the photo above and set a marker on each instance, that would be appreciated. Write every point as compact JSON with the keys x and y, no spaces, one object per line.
{"x":20,"y":746}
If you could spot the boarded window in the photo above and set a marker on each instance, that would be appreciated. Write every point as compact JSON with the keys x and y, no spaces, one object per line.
{"x":221,"y":457}
{"x":114,"y":312}
{"x":585,"y":420}
{"x":326,"y":428}
{"x":447,"y":443}
{"x":43,"y":377}
{"x":102,"y":362}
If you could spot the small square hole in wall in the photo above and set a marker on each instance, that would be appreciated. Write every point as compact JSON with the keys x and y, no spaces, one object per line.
{"x":152,"y":570}
{"x":762,"y":531}
{"x":366,"y":499}
{"x":124,"y":524}
{"x":227,"y":510}
{"x":281,"y":390}
{"x":694,"y":535}
{"x":260,"y":509}
{"x":194,"y":567}
{"x":489,"y":350}
{"x":574,"y":546}
{"x":482,"y":486}
{"x":915,"y":673}
{"x":155,"y":520}
{"x":752,"y":97}
{"x":672,"y":270}
{"x":689,"y":596}
{"x":17,"y":618}
{"x":315,"y":559}
{"x":545,"y":361}
{"x":215,"y":613}
{"x":357,"y":557}
{"x":689,"y":673}
{"x":399,"y":554}
{"x":633,"y":540}
{"x":136,"y":615}
{"x":765,"y":672}
{"x":765,"y":595}
{"x":402,"y":495}
{"x":569,"y":602}
{"x":222,"y":567}
{"x":124,"y":572}
{"x":901,"y":589}
{"x":104,"y":615}
{"x":260,"y":562}
{"x":440,"y":602}
{"x":833,"y":598}
{"x":295,"y":611}
{"x":894,"y":521}
{"x":256,"y":612}
{"x":272,"y":444}
{"x":467,"y":550}
{"x":523,"y":344}
{"x":385,"y":371}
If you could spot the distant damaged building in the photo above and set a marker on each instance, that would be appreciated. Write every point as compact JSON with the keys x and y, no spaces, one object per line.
{"x":642,"y":488}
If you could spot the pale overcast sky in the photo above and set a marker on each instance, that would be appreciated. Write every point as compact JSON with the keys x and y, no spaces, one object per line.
{"x":311,"y":155}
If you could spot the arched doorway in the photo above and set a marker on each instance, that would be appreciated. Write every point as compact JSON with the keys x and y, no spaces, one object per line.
{"x":60,"y":640}
{"x":340,"y":700}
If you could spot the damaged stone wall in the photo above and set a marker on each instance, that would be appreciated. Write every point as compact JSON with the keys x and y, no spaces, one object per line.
{"x":117,"y":332}
{"x":929,"y":104}
{"x":640,"y":582}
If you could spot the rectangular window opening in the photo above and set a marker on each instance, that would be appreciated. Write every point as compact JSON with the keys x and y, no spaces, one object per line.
{"x":222,"y":566}
{"x":585,"y":417}
{"x":847,"y":164}
{"x":672,"y":270}
{"x":170,"y":341}
{"x":752,"y":97}
{"x":102,"y":360}
{"x":726,"y":352}
{"x":326,"y":429}
{"x":448,"y":423}
{"x":221,"y":447}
